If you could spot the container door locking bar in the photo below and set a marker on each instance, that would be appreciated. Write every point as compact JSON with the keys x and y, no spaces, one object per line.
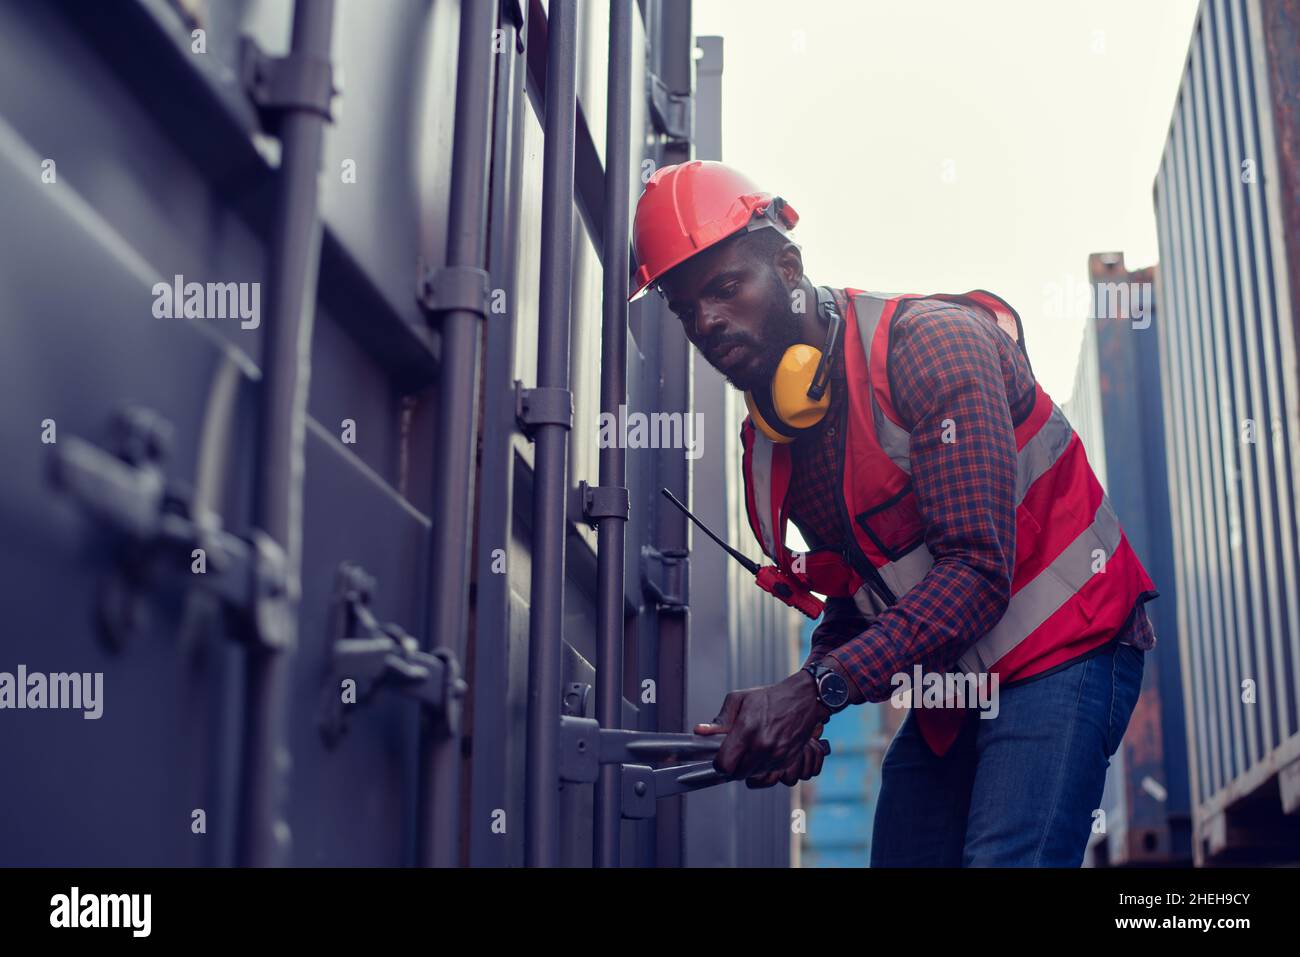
{"x":375,"y":655}
{"x":151,"y":519}
{"x":585,"y":746}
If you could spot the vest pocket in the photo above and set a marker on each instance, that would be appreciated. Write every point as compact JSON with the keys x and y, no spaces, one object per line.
{"x":894,"y":526}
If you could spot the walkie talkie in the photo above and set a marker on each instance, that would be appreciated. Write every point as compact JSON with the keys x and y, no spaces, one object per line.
{"x":771,"y":579}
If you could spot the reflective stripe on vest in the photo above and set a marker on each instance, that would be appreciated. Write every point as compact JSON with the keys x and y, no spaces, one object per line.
{"x":1037,"y":456}
{"x":902,"y":573}
{"x":762,"y":450}
{"x":1048,"y":590}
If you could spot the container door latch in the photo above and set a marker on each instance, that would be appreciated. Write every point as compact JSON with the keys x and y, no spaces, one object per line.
{"x":585,"y":746}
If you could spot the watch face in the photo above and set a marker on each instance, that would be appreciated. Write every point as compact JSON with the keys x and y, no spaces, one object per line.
{"x":833,"y":690}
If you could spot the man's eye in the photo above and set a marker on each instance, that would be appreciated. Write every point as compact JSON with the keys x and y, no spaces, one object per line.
{"x":729,"y":290}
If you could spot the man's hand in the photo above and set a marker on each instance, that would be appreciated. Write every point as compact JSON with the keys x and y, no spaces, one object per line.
{"x":807,"y":764}
{"x":767,"y":727}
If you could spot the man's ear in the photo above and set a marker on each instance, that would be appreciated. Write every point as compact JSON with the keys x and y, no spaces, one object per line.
{"x":789,"y":265}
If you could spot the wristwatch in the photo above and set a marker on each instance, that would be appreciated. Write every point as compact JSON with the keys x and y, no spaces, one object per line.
{"x":832,"y":689}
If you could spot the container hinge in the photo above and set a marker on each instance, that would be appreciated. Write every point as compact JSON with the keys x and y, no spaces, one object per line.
{"x":152,"y":524}
{"x":604,"y":501}
{"x":367,"y":656}
{"x":664,"y":575}
{"x":542,"y":406}
{"x":283,"y":84}
{"x":453,"y":289}
{"x":585,"y":746}
{"x":673,"y":114}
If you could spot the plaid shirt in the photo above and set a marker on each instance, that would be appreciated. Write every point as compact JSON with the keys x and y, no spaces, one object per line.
{"x":945,"y":363}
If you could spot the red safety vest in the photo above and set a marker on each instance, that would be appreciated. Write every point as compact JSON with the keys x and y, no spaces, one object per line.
{"x":1076,"y":579}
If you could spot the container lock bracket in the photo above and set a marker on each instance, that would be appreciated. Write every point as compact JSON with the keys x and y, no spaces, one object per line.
{"x":283,"y":84}
{"x":542,"y":406}
{"x":664,"y":575}
{"x":453,"y":289}
{"x":367,"y":656}
{"x":673,"y":114}
{"x":604,"y":501}
{"x":152,"y":523}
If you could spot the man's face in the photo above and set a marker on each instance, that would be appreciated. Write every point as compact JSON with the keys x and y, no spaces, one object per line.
{"x":735,"y":309}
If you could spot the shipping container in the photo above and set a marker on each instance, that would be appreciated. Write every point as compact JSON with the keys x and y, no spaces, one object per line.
{"x":1117,"y":409}
{"x":363,"y":581}
{"x":1083,"y":408}
{"x":1227,"y":198}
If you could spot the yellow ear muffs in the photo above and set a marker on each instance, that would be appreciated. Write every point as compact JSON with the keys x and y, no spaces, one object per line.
{"x":761,"y":421}
{"x":800,"y":392}
{"x":787,"y":409}
{"x":791,"y":385}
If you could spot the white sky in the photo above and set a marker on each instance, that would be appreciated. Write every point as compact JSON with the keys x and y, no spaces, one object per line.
{"x":1047,"y":118}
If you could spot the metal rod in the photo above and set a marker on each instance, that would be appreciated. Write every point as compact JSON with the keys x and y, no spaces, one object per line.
{"x":690,"y":777}
{"x":551,"y":443}
{"x":633,"y":747}
{"x":611,"y":533}
{"x":673,"y":40}
{"x":438,"y":803}
{"x":293,"y":262}
{"x":489,"y":769}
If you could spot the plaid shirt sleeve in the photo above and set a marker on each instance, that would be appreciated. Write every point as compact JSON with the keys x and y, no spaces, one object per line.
{"x":841,"y":621}
{"x":950,"y":391}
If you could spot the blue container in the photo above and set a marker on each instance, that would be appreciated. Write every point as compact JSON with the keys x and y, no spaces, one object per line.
{"x":1117,"y":409}
{"x":838,"y":825}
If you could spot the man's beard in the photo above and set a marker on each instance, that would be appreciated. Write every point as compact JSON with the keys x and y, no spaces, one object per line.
{"x":778,"y":333}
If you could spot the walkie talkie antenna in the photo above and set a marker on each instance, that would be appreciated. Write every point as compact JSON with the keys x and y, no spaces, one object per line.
{"x":750,"y":566}
{"x":772,"y":579}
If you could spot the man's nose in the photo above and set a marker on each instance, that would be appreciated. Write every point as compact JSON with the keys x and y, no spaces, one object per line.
{"x":709,"y":320}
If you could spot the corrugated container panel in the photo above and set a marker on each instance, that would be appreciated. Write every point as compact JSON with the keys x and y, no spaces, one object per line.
{"x":1145,"y":799}
{"x":162,"y":171}
{"x":1083,"y":408}
{"x":1228,"y":371}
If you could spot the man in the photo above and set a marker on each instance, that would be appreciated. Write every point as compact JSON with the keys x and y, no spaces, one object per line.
{"x":954,"y":526}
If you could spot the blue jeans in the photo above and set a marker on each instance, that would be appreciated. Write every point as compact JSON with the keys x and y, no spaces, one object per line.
{"x":1018,"y":790}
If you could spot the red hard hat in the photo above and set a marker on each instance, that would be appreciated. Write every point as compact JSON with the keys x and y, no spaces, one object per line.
{"x":692,"y":206}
